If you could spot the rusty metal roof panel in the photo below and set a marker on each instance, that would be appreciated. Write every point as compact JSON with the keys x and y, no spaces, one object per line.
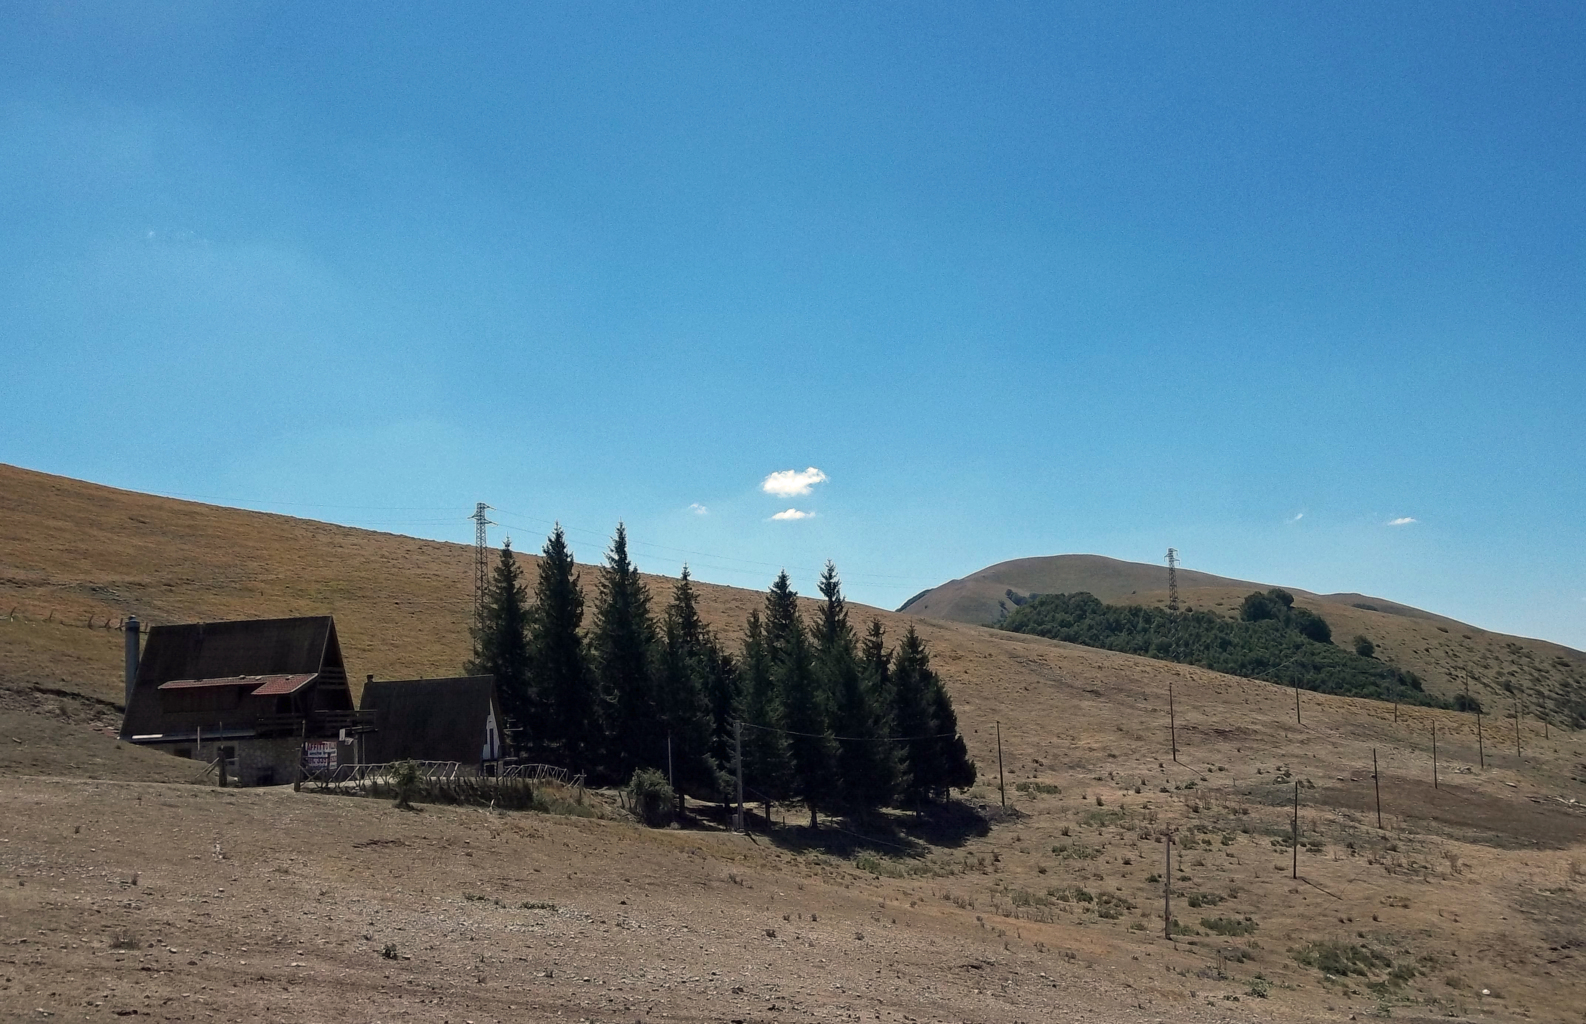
{"x":280,"y":686}
{"x":276,"y":684}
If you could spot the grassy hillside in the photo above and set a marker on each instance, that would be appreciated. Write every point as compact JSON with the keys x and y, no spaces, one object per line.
{"x":1478,"y":882}
{"x":1448,"y":655}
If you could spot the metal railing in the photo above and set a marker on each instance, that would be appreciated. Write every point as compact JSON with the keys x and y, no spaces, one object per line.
{"x":359,"y":776}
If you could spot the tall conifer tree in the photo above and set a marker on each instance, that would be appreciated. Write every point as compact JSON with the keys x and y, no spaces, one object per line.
{"x":685,"y":711}
{"x":624,"y":653}
{"x":934,"y":755}
{"x":806,"y":708}
{"x":864,"y":760}
{"x":502,"y":638}
{"x":767,"y":767}
{"x":560,"y":678}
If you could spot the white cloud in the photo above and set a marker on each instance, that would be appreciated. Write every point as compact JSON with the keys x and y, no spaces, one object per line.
{"x":794,"y":513}
{"x":698,"y":509}
{"x":1296,"y":517}
{"x":786,"y":483}
{"x":1402,"y":521}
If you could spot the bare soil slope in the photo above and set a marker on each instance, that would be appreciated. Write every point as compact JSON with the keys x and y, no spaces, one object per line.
{"x":1501,"y":670}
{"x":123,"y":888}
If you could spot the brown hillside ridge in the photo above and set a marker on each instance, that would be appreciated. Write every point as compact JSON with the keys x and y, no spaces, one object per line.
{"x":128,"y":892}
{"x":1447,"y":654}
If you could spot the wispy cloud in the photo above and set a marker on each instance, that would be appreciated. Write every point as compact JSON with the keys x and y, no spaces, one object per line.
{"x":1402,"y":521}
{"x":1296,"y":517}
{"x":698,"y":509}
{"x":794,"y":513}
{"x":787,"y":483}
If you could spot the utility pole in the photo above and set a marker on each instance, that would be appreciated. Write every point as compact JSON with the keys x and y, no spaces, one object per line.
{"x":1376,"y":784}
{"x":481,"y":570}
{"x":1172,"y":579}
{"x":1517,"y":730}
{"x":1296,"y":829}
{"x":737,"y":761}
{"x":1172,"y":720}
{"x":1001,"y":786}
{"x":1167,"y":886}
{"x":1481,"y":747}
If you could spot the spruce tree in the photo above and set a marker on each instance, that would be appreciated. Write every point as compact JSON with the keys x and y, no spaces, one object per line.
{"x":954,"y":769}
{"x":912,"y":712}
{"x":864,"y":763}
{"x":560,"y":677}
{"x":934,"y":755}
{"x":685,"y":711}
{"x":624,"y":653}
{"x":502,"y":639}
{"x":767,"y":766}
{"x":806,"y":709}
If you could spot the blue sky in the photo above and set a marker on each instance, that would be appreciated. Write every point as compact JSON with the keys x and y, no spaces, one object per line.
{"x":1017,"y":279}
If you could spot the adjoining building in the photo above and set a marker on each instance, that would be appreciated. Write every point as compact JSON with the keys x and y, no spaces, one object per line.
{"x":457,"y":719}
{"x":268,"y":696}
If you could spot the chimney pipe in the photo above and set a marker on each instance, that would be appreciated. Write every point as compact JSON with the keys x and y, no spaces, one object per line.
{"x":133,"y":649}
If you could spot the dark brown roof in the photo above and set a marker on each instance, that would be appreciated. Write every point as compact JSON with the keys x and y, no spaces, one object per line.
{"x":429,"y":719}
{"x":214,"y":650}
{"x":286,"y":655}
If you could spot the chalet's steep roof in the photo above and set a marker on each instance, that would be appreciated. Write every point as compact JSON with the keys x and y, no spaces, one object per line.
{"x":215,"y":650}
{"x":282,"y":655}
{"x":429,"y":719}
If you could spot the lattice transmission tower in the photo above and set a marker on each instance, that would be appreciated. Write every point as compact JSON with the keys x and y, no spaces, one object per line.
{"x":1172,"y":579}
{"x":481,"y":569}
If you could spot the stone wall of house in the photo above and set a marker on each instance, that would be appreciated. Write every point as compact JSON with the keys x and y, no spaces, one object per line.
{"x":259,"y":762}
{"x":268,"y":762}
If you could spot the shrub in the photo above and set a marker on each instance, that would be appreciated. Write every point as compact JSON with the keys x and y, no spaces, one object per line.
{"x":652,"y":797}
{"x":1230,"y":926}
{"x":405,"y":780}
{"x":1340,"y":959}
{"x":1364,"y":647}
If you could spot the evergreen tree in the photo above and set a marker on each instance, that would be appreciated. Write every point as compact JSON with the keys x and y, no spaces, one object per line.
{"x":935,"y":756}
{"x":767,"y":765}
{"x":688,"y":658}
{"x":781,"y":617}
{"x":806,"y":709}
{"x":502,"y":640}
{"x":912,"y":714}
{"x":624,"y":654}
{"x":954,"y":769}
{"x":723,"y":692}
{"x":563,"y":688}
{"x":864,"y":763}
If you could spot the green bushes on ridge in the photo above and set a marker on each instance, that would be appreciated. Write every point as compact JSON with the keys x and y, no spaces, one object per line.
{"x":1272,"y":640}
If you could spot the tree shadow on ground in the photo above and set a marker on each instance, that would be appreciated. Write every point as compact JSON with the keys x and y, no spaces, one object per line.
{"x":883,"y":833}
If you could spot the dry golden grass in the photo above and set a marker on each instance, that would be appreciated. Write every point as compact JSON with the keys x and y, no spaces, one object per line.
{"x":1474,"y":885}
